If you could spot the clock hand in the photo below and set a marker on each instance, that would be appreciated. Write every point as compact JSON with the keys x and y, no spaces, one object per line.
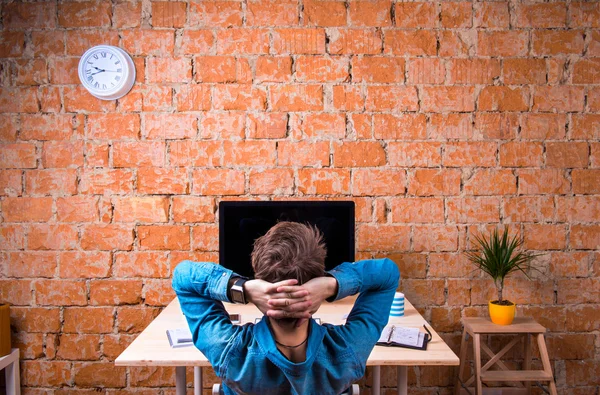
{"x":100,"y":70}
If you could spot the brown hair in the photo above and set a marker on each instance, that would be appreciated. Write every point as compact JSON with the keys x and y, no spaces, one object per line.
{"x":289,"y":250}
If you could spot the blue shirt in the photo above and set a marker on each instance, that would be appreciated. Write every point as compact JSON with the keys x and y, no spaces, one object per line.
{"x":246,"y":357}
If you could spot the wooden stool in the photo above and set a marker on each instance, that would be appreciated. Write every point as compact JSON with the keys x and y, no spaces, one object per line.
{"x":10,"y":364}
{"x":475,"y":327}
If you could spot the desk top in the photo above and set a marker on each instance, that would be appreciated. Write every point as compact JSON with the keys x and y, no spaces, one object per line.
{"x":151,"y":347}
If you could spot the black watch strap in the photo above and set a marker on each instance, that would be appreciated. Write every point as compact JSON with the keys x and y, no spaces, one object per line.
{"x":237,"y":294}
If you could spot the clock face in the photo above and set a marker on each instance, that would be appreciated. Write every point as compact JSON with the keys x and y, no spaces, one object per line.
{"x":103,"y":70}
{"x":107,"y":72}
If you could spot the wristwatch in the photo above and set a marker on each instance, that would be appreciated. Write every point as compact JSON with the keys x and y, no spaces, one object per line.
{"x":237,"y":290}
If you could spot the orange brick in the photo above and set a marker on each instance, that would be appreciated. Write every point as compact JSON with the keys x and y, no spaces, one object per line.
{"x":299,"y":41}
{"x":36,"y":319}
{"x":18,"y":155}
{"x":16,"y":292}
{"x":46,"y":373}
{"x":566,"y":154}
{"x":449,"y":265}
{"x":361,"y":126}
{"x":595,"y":155}
{"x":249,"y":153}
{"x":11,"y":183}
{"x":370,"y":13}
{"x":44,"y":42}
{"x":267,"y":125}
{"x":148,"y":42}
{"x":84,"y":14}
{"x":205,"y":237}
{"x":170,"y":126}
{"x":168,"y":70}
{"x":114,"y":126}
{"x":416,"y":15}
{"x":115,"y":292}
{"x":141,"y":209}
{"x":195,"y":42}
{"x":586,"y":181}
{"x":13,"y":44}
{"x":501,"y":98}
{"x":135,"y":319}
{"x":543,"y":126}
{"x":158,"y":180}
{"x":358,"y":154}
{"x":473,"y":209}
{"x":78,"y":347}
{"x":13,"y":236}
{"x":585,"y":126}
{"x":558,"y":98}
{"x":378,"y":69}
{"x":152,"y":376}
{"x":303,"y":153}
{"x":322,"y":69}
{"x":521,"y":154}
{"x":242,"y":41}
{"x":32,"y":72}
{"x":30,"y":264}
{"x":392,"y":98}
{"x":502,"y":43}
{"x":222,"y":69}
{"x":324,"y":13}
{"x":271,"y":182}
{"x":52,"y":237}
{"x":218,"y":182}
{"x":127,"y":14}
{"x":106,"y":181}
{"x":94,"y":374}
{"x":383,"y":237}
{"x":541,"y":15}
{"x":450,"y":126}
{"x":411,"y":265}
{"x":426,"y":70}
{"x":19,"y":99}
{"x":473,"y":71}
{"x":164,"y":237}
{"x":193,"y":209}
{"x":61,"y":292}
{"x":447,"y":98}
{"x":62,"y":154}
{"x":410,"y":42}
{"x":432,"y":182}
{"x":158,"y":292}
{"x":399,"y":127}
{"x":583,"y":318}
{"x":425,"y":292}
{"x":53,"y":181}
{"x":354,"y":41}
{"x":114,"y":345}
{"x":557,"y":42}
{"x":454,"y":15}
{"x":29,"y":15}
{"x":216,"y":13}
{"x":578,"y":290}
{"x":168,"y":13}
{"x":151,"y":264}
{"x":491,"y":182}
{"x":528,"y":208}
{"x":323,"y":181}
{"x":8,"y":127}
{"x":584,"y":14}
{"x":79,"y":264}
{"x":417,"y":210}
{"x":578,"y":208}
{"x":78,"y":41}
{"x":585,"y":71}
{"x":138,"y":153}
{"x":496,"y":125}
{"x":462,"y":154}
{"x":296,"y":97}
{"x":273,"y":69}
{"x":418,"y":154}
{"x":47,"y":127}
{"x":226,"y":126}
{"x":545,"y":237}
{"x":239,"y":97}
{"x":107,"y":237}
{"x":378,"y":182}
{"x":524,"y":71}
{"x":193,"y":98}
{"x":542,"y":181}
{"x":272,"y":13}
{"x":26,"y":209}
{"x":569,"y":264}
{"x":435,"y":238}
{"x":491,"y":15}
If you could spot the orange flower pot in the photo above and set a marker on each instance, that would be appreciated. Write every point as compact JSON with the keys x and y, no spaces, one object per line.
{"x":501,"y":315}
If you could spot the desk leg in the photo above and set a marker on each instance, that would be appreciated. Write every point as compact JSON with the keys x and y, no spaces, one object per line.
{"x":376,"y":380}
{"x":180,"y":380}
{"x":197,"y":380}
{"x":402,"y":380}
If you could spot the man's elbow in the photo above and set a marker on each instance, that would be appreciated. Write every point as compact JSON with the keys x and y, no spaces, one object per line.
{"x":393,"y":273}
{"x":181,"y":272}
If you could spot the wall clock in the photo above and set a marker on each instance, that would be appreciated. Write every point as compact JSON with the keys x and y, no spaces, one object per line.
{"x":107,"y":72}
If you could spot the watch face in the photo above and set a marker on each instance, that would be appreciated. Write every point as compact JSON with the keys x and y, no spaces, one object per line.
{"x":103,"y":69}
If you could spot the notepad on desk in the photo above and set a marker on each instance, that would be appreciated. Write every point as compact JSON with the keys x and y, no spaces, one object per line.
{"x":180,"y":337}
{"x":399,"y":336}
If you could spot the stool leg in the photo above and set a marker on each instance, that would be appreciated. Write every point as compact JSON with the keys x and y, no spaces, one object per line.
{"x":527,"y":362}
{"x":13,"y":381}
{"x":477,"y":347}
{"x":546,"y":362}
{"x":463,"y":363}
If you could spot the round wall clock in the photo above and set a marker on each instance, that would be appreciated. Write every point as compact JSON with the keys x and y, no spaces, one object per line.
{"x":107,"y":72}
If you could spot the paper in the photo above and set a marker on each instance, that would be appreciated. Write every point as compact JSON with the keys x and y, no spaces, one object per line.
{"x":180,"y":337}
{"x":407,"y":336}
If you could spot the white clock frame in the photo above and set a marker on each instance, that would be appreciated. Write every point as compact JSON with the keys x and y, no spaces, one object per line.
{"x":122,"y":85}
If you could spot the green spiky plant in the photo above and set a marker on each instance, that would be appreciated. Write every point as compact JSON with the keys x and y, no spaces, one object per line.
{"x":500,"y":256}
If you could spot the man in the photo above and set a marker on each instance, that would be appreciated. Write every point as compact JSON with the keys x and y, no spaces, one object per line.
{"x":287,"y":352}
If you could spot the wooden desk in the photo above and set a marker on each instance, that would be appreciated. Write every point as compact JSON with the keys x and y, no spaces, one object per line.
{"x":151,"y":347}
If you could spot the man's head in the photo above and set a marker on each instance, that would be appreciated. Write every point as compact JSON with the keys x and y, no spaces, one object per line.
{"x":289,"y":250}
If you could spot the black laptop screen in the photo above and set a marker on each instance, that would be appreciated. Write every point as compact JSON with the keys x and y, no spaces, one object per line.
{"x":241,"y":223}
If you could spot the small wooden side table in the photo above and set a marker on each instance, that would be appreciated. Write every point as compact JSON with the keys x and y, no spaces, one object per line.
{"x":523,"y":327}
{"x":10,"y":364}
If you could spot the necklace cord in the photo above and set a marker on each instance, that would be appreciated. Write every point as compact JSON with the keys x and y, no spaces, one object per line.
{"x":296,"y":346}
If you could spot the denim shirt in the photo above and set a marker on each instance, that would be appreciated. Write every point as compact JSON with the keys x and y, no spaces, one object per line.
{"x":246,"y":357}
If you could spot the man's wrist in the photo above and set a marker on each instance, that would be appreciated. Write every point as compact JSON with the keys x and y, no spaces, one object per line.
{"x":332,"y":288}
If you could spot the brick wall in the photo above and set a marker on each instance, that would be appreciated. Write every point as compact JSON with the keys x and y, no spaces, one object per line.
{"x":439,"y":119}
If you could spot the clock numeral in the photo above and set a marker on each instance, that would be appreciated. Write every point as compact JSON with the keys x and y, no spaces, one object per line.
{"x":95,"y":56}
{"x":90,"y":62}
{"x":103,"y":54}
{"x":96,"y":84}
{"x":112,"y":84}
{"x":119,"y":70}
{"x":88,"y":71}
{"x":117,"y":78}
{"x":111,"y":56}
{"x":117,"y":62}
{"x":90,"y":79}
{"x":103,"y":86}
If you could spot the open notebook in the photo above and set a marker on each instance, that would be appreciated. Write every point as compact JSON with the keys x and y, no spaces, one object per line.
{"x":399,"y":336}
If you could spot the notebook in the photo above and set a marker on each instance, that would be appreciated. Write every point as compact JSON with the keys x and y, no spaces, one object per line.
{"x":180,"y":337}
{"x":398,"y":336}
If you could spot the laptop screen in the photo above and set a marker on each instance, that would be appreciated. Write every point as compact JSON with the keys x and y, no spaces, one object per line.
{"x":242,"y":222}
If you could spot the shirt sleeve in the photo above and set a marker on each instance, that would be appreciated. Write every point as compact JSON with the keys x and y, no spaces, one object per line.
{"x":376,"y":281}
{"x":201,"y":288}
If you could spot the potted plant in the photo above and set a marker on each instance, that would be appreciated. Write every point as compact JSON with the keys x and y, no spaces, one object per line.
{"x":498,"y":256}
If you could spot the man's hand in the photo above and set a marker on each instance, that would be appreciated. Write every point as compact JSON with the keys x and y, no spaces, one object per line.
{"x":260,"y":292}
